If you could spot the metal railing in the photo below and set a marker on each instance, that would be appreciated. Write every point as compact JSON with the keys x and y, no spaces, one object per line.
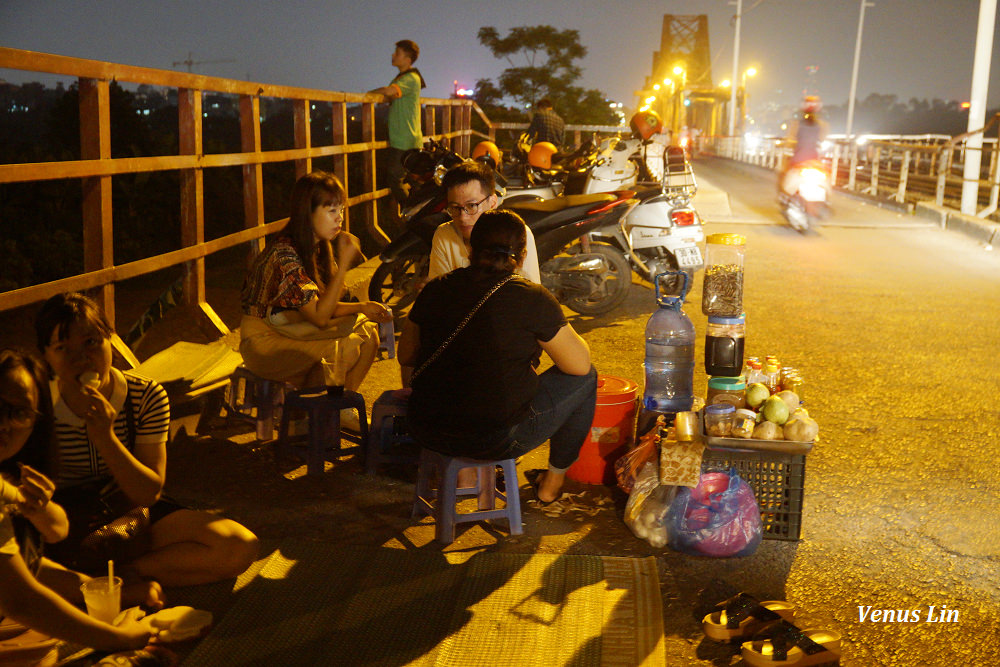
{"x":446,"y":119}
{"x":905,"y":169}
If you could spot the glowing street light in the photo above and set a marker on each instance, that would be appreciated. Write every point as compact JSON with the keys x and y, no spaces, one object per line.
{"x":725,"y":83}
{"x":749,"y":72}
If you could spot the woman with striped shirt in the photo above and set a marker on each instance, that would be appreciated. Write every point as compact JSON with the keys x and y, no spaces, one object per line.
{"x":112,"y":429}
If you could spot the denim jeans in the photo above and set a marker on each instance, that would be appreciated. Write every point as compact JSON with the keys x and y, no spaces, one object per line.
{"x":561,"y":412}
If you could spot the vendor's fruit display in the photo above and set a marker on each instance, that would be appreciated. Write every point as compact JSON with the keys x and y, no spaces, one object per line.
{"x":780,"y":417}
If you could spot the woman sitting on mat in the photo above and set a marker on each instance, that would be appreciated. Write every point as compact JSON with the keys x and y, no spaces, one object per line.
{"x":29,"y":594}
{"x":475,"y":392}
{"x":112,"y":429}
{"x":292,"y":310}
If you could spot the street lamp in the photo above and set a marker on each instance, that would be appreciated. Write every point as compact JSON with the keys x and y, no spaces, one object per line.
{"x":750,"y":72}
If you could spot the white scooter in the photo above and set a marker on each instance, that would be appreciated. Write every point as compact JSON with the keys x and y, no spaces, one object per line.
{"x":661,"y":231}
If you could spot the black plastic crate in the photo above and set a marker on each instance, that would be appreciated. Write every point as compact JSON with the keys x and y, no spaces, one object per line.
{"x":778,"y":483}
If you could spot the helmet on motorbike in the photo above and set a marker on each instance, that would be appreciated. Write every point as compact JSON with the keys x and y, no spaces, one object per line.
{"x":811,"y":104}
{"x":540,"y":155}
{"x":487,"y":148}
{"x":646,"y":123}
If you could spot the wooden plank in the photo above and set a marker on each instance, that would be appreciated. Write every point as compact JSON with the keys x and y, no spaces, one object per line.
{"x":339,"y":125}
{"x":95,"y":144}
{"x":303,"y":135}
{"x":368,"y":135}
{"x":84,"y":281}
{"x":253,"y":174}
{"x":446,"y":127}
{"x":47,"y":171}
{"x":189,"y":124}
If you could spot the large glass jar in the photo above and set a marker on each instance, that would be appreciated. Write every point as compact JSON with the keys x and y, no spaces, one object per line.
{"x":724,"y":345}
{"x":722,"y":289}
{"x":731,"y":390}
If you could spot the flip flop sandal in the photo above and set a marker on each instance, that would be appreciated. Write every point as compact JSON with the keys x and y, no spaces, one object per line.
{"x":788,"y":645}
{"x":741,"y":616}
{"x":534,"y":477}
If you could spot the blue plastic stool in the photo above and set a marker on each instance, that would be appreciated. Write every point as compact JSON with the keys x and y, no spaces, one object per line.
{"x":441,"y":504}
{"x":383,"y":436}
{"x":323,"y":412}
{"x":255,"y":399}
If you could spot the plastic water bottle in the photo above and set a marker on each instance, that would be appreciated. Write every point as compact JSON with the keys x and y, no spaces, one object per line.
{"x":669,"y":353}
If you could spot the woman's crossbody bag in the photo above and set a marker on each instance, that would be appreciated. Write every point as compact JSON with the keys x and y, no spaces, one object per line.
{"x":461,"y":325}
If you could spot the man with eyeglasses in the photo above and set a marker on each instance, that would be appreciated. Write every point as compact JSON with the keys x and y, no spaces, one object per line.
{"x":471,"y":191}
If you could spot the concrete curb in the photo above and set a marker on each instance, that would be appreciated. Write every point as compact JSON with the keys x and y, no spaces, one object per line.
{"x":984,"y":231}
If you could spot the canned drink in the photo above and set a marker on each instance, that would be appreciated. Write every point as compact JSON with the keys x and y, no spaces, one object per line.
{"x":387,"y":336}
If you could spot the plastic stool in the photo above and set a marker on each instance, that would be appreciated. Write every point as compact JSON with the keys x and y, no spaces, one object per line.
{"x":382,"y":436}
{"x":441,"y":503}
{"x":323,"y":412}
{"x":255,"y":398}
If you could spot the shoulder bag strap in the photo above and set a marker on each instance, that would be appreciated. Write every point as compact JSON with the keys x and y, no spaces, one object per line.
{"x":461,"y":326}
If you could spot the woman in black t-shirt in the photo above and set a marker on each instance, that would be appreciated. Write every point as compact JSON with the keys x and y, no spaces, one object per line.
{"x":479,"y":396}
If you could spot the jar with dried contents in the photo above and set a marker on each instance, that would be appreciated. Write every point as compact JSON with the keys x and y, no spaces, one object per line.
{"x":719,"y":419}
{"x":722,"y":287}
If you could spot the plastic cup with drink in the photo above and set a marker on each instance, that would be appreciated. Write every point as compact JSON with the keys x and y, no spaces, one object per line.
{"x":103,"y":596}
{"x":335,"y":370}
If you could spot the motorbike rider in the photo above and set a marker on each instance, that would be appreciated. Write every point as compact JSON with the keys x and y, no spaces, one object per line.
{"x":805,"y":135}
{"x":471,"y":190}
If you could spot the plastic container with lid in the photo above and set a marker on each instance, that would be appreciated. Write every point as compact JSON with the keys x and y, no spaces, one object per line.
{"x":719,"y":419}
{"x":669,"y":361}
{"x":731,"y":390}
{"x":610,"y":432}
{"x":724,"y":340}
{"x":722,"y":288}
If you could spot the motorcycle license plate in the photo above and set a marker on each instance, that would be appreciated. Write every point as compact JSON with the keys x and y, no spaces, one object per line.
{"x":688,"y":257}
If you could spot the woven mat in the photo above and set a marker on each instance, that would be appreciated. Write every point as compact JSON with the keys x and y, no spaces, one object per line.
{"x":322,"y":604}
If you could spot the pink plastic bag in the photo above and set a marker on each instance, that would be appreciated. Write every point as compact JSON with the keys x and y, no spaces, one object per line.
{"x":719,"y":517}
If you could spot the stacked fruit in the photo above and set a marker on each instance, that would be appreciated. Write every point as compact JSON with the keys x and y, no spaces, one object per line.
{"x":778,"y":416}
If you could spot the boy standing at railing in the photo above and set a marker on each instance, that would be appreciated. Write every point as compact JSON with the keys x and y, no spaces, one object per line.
{"x":403,"y":93}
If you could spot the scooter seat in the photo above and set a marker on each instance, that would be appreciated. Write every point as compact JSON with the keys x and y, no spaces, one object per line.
{"x":560,"y":203}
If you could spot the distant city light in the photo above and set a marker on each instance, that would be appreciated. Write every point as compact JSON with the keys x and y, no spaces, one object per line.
{"x":656,"y":86}
{"x":464,"y":92}
{"x":965,"y":105}
{"x":726,"y":83}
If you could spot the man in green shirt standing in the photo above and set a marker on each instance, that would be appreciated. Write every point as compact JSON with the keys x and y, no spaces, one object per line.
{"x":403,"y":93}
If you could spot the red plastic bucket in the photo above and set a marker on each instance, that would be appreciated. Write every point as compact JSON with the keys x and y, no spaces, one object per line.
{"x":613,"y":427}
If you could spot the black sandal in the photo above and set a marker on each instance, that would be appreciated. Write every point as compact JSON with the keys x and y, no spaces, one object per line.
{"x":742,"y":615}
{"x":782,"y":643}
{"x":534,"y":477}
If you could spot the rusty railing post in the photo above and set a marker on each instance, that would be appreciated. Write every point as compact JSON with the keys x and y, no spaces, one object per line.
{"x":303,"y":135}
{"x":253,"y":173}
{"x":368,"y":158}
{"x":190,"y":142}
{"x":98,"y":225}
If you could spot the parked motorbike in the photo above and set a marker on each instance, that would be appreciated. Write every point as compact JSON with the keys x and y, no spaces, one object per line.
{"x":661,"y":229}
{"x":804,"y":195}
{"x":590,"y":280}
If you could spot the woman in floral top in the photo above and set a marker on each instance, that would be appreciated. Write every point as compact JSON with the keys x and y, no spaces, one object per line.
{"x":292,"y":311}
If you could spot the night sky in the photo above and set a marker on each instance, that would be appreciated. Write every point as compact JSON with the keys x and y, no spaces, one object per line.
{"x":911,"y":48}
